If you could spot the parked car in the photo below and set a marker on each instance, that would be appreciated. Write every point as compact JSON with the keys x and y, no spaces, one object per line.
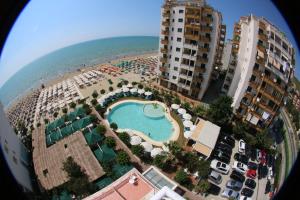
{"x":240,"y":167}
{"x":214,"y":189}
{"x":215,"y":177}
{"x":237,"y":176}
{"x":252,"y":165}
{"x":250,"y":183}
{"x":228,"y":140}
{"x":247,"y":192}
{"x":241,"y":158}
{"x":251,"y":173}
{"x":270,"y":173}
{"x":242,"y":197}
{"x":235,"y":185}
{"x":225,"y":144}
{"x":224,"y":148}
{"x":220,"y":166}
{"x":242,"y":146}
{"x":229,"y":193}
{"x":222,"y":156}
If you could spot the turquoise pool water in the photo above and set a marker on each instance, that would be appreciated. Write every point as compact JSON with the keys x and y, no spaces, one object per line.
{"x":130,"y":115}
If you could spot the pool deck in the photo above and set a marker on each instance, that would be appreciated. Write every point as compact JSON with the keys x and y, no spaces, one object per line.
{"x":176,"y":128}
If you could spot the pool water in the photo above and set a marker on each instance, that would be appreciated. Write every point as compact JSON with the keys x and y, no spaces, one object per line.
{"x":130,"y":115}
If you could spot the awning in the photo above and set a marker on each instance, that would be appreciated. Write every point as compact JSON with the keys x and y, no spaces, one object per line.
{"x":135,"y":140}
{"x":147,"y":146}
{"x":181,"y":111}
{"x":148,"y":93}
{"x":156,"y":151}
{"x":187,"y":134}
{"x":141,"y":91}
{"x":187,"y":116}
{"x":188,"y":123}
{"x":175,"y":106}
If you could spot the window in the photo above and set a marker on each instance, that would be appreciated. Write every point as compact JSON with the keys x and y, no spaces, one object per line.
{"x":173,"y":20}
{"x":190,"y":73}
{"x":171,"y":47}
{"x":172,"y":29}
{"x":176,"y":59}
{"x":181,"y":11}
{"x":272,"y":35}
{"x":178,"y":39}
{"x":174,"y":77}
{"x":178,"y":49}
{"x":170,"y":56}
{"x":175,"y":68}
{"x":171,"y":38}
{"x":277,"y":39}
{"x":173,"y":11}
{"x":188,"y":82}
{"x":180,"y":20}
{"x":179,"y":30}
{"x":249,"y":89}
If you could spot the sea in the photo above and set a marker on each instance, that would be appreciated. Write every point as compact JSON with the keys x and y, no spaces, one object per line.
{"x":71,"y":58}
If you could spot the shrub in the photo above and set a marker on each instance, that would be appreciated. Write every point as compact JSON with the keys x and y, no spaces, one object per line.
{"x":202,"y":187}
{"x":134,"y":83}
{"x":110,"y":142}
{"x":126,"y":82}
{"x":110,"y":89}
{"x":46,"y":121}
{"x":72,"y":105}
{"x":140,"y":86}
{"x":137,"y":150}
{"x":95,"y":94}
{"x":101,"y":129}
{"x":65,"y":110}
{"x":87,"y":109}
{"x":102,"y":91}
{"x":125,"y":138}
{"x":159,"y":161}
{"x":123,"y":158}
{"x":177,"y":101}
{"x":38,"y":124}
{"x":55,"y":114}
{"x":110,"y":81}
{"x":114,"y":126}
{"x":119,"y":85}
{"x":94,"y":102}
{"x":181,"y":177}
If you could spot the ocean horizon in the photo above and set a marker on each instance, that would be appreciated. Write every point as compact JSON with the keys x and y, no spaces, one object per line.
{"x":71,"y":58}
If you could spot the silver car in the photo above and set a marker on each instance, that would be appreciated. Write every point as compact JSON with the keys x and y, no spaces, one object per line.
{"x":229,"y":193}
{"x":235,"y":185}
{"x":215,"y":177}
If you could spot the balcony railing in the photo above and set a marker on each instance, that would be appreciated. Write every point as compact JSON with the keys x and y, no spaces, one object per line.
{"x":165,"y":32}
{"x":205,"y":39}
{"x":263,"y":37}
{"x":193,"y":25}
{"x":164,"y":50}
{"x":207,"y":19}
{"x":163,"y":59}
{"x":200,"y":69}
{"x":191,"y":36}
{"x":165,"y":42}
{"x":270,"y":96}
{"x":166,"y":23}
{"x":203,"y":49}
{"x":278,"y":87}
{"x":260,"y":60}
{"x":202,"y":60}
{"x":261,"y":47}
{"x":206,"y":29}
{"x":262,"y":25}
{"x":162,"y":69}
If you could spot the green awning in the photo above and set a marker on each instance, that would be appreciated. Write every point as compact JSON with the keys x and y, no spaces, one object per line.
{"x":55,"y":136}
{"x":103,"y":182}
{"x":71,"y":116}
{"x":68,"y":130}
{"x":82,"y":123}
{"x":62,"y":196}
{"x":105,"y":154}
{"x":48,"y":140}
{"x":120,"y":170}
{"x":92,"y":138}
{"x":53,"y":125}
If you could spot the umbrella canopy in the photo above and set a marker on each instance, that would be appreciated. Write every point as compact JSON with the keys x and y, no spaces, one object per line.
{"x":155,"y":152}
{"x":141,"y":91}
{"x":187,"y":123}
{"x":175,"y":106}
{"x":147,"y":146}
{"x":129,"y":85}
{"x":192,"y":128}
{"x":125,"y":89}
{"x":148,"y":93}
{"x":181,"y":111}
{"x":165,"y":148}
{"x":187,"y":116}
{"x":133,"y":90}
{"x":135,"y":140}
{"x":118,"y":91}
{"x":187,"y":134}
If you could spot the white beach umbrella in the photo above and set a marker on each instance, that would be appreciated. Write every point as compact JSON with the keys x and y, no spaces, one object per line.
{"x":125,"y":89}
{"x":192,"y":128}
{"x":175,"y":106}
{"x":148,"y":93}
{"x":181,"y":111}
{"x":187,"y":134}
{"x":133,"y":90}
{"x":135,"y":140}
{"x":129,"y":85}
{"x":187,"y":123}
{"x":147,"y":146}
{"x":187,"y":116}
{"x":118,"y":91}
{"x":110,"y":94}
{"x":141,"y":91}
{"x":155,"y":152}
{"x":165,"y":148}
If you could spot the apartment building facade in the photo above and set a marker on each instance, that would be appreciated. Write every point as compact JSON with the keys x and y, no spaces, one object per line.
{"x":260,"y":70}
{"x":190,"y":46}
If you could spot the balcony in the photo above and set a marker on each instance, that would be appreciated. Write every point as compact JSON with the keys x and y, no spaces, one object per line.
{"x":260,"y":60}
{"x":202,"y":60}
{"x":254,"y":84}
{"x":163,"y":69}
{"x":203,"y":49}
{"x":200,"y":69}
{"x":166,"y":13}
{"x":235,"y":48}
{"x":164,"y":50}
{"x":262,"y":25}
{"x":278,"y":87}
{"x":266,"y":108}
{"x":193,"y":25}
{"x":249,"y":96}
{"x":207,"y":10}
{"x":166,"y":23}
{"x":163,"y":59}
{"x":207,"y":20}
{"x":206,"y":29}
{"x":205,"y":39}
{"x":261,"y":47}
{"x":191,"y":36}
{"x":270,"y":97}
{"x":263,"y":37}
{"x":165,"y":42}
{"x":256,"y":72}
{"x":165,"y":32}
{"x":223,"y":29}
{"x":163,"y":77}
{"x":190,"y":46}
{"x":189,"y":56}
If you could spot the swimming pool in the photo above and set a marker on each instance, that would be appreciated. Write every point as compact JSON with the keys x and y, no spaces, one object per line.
{"x":146,"y":118}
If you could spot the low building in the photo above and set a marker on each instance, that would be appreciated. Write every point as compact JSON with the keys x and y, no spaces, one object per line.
{"x":204,"y":137}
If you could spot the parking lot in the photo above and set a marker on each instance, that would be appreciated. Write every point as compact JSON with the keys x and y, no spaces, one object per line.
{"x":258,"y":192}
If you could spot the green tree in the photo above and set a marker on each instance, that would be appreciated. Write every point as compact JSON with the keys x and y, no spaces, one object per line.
{"x":203,"y":167}
{"x":94,"y":102}
{"x":123,"y":158}
{"x":95,"y":94}
{"x":133,"y":82}
{"x":126,"y":82}
{"x":46,"y":121}
{"x":87,"y":108}
{"x":140,"y":86}
{"x":263,"y":141}
{"x":94,"y":118}
{"x":119,"y":85}
{"x":38,"y":124}
{"x":187,"y":106}
{"x":110,"y":142}
{"x":137,"y":150}
{"x":65,"y":110}
{"x":190,"y":161}
{"x":181,"y":177}
{"x":175,"y":149}
{"x":101,"y":129}
{"x":177,"y":101}
{"x":55,"y":114}
{"x":159,"y":161}
{"x":110,"y":89}
{"x":72,"y":105}
{"x":114,"y":126}
{"x":202,"y":187}
{"x":102,"y":91}
{"x":220,"y":111}
{"x":125,"y":138}
{"x":240,"y":129}
{"x":168,"y":99}
{"x":200,"y":111}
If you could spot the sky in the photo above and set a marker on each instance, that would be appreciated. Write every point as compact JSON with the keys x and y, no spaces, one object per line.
{"x":45,"y":26}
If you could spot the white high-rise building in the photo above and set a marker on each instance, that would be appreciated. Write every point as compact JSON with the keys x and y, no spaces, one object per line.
{"x":226,"y":54}
{"x":15,"y":153}
{"x":260,"y":70}
{"x":190,"y":47}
